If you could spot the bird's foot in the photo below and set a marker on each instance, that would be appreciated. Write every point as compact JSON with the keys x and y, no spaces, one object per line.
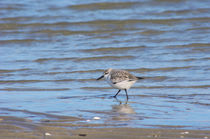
{"x":112,"y":97}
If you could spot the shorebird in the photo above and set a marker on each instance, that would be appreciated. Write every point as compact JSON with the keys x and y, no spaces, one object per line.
{"x":119,"y":79}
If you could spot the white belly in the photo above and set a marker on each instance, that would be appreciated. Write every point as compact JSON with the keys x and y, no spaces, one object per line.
{"x":121,"y":85}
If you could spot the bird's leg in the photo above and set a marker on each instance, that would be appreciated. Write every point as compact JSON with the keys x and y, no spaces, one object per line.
{"x":126,"y":93}
{"x":117,"y":93}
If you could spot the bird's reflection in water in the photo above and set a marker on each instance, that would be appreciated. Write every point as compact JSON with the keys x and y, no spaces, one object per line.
{"x":123,"y":111}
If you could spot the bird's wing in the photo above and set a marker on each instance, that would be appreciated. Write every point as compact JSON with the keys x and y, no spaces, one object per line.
{"x":119,"y":76}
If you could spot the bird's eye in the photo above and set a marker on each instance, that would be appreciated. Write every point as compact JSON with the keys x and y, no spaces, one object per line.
{"x":106,"y":73}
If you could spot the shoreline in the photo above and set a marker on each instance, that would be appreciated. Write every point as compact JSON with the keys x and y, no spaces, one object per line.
{"x":19,"y":128}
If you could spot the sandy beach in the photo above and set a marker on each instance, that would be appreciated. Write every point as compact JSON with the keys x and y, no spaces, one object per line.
{"x":63,"y":128}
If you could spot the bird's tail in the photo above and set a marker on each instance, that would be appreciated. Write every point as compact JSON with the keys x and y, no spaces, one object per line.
{"x":139,"y":78}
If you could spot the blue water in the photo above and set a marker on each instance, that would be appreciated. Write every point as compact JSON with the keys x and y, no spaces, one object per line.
{"x":52,"y":52}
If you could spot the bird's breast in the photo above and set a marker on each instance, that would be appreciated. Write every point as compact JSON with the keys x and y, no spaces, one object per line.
{"x":120,"y":85}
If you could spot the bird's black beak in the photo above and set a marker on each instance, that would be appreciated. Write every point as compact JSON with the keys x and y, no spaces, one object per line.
{"x":100,"y":77}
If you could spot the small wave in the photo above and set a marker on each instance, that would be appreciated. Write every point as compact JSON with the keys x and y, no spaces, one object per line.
{"x":191,"y":86}
{"x":157,"y":78}
{"x":200,"y":103}
{"x":63,"y":32}
{"x":39,"y":81}
{"x":95,"y":88}
{"x":19,"y":41}
{"x":159,"y":69}
{"x":41,"y":60}
{"x":41,"y":114}
{"x":34,"y":89}
{"x":104,"y":58}
{"x":79,"y":71}
{"x":113,"y":49}
{"x":103,"y":6}
{"x":14,"y":70}
{"x":191,"y":59}
{"x":189,"y":45}
{"x":152,"y":32}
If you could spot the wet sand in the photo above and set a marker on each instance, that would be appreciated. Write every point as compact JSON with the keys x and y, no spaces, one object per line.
{"x":63,"y":127}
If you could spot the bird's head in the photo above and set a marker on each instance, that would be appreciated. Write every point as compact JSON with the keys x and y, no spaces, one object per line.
{"x":105,"y":74}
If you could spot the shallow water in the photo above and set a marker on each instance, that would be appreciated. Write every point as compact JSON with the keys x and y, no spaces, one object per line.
{"x":52,"y":52}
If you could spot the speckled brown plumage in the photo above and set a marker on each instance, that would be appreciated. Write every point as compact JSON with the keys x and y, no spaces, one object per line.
{"x":121,"y":75}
